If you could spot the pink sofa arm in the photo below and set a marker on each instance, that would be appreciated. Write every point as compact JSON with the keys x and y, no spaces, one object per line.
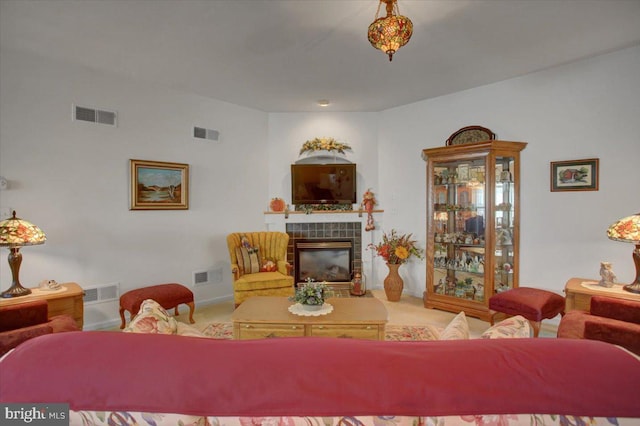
{"x":22,"y":315}
{"x":61,"y":323}
{"x":621,"y":333}
{"x":582,"y":325}
{"x":24,"y":321}
{"x":11,"y":339}
{"x":619,"y":309}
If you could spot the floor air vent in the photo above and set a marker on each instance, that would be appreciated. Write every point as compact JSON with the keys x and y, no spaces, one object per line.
{"x":101,"y":294}
{"x":202,"y":133}
{"x":94,"y":115}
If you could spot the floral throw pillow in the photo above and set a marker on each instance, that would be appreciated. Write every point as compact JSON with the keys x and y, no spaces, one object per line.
{"x":457,"y":329}
{"x":510,"y":328}
{"x":187,"y":330}
{"x":152,"y":318}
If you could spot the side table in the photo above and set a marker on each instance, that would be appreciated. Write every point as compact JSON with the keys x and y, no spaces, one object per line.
{"x":64,"y":301}
{"x":579,"y":297}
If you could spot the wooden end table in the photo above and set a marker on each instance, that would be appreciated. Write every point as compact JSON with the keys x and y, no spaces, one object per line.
{"x":264,"y":316}
{"x":67,"y":301}
{"x":579,"y":297}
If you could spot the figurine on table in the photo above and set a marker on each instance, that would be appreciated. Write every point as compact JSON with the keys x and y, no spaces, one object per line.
{"x":607,"y":274}
{"x":368,"y":201}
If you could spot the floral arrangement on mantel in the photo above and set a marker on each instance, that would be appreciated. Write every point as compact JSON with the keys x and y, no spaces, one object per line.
{"x":397,"y":249}
{"x":310,"y":293}
{"x":324,"y":144}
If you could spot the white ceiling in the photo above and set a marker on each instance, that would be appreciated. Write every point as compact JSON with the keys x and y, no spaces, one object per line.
{"x":284,"y":55}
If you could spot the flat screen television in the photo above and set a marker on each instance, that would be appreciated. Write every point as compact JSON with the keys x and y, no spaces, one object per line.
{"x":323,"y":183}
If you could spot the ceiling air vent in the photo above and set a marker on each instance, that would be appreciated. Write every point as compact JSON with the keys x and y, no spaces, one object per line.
{"x":94,"y":115}
{"x":202,"y":133}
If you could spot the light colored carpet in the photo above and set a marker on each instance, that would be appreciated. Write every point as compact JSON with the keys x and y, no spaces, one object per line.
{"x":409,"y":311}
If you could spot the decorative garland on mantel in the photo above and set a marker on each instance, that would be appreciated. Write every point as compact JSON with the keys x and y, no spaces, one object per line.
{"x":310,"y":208}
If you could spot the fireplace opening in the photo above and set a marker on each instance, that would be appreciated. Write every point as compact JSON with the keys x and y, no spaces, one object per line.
{"x":323,"y":260}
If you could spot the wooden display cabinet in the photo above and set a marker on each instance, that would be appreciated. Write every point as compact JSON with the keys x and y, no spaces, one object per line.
{"x":473,"y":211}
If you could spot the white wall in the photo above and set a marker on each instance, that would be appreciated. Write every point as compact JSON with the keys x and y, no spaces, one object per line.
{"x":72,"y":179}
{"x":581,"y":110}
{"x":287,"y":133}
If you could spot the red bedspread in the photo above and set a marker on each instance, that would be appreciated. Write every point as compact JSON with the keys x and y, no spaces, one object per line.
{"x":322,"y":377}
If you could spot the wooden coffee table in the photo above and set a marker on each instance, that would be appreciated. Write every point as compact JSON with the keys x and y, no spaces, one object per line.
{"x":263,"y":316}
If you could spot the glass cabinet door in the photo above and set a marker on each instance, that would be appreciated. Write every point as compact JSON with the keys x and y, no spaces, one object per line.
{"x":504,"y":211}
{"x":459,"y":218}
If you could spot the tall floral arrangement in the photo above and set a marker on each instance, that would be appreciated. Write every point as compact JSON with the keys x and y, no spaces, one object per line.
{"x":324,"y":144}
{"x":397,"y":249}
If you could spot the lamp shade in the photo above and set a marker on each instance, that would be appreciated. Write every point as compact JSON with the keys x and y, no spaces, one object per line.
{"x":16,"y":232}
{"x":391,"y":32}
{"x":626,"y":229}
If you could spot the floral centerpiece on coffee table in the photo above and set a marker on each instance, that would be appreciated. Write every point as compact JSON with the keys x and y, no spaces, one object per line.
{"x":310,"y":294}
{"x":324,"y":144}
{"x":397,"y":249}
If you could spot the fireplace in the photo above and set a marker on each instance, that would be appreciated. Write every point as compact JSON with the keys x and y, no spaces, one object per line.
{"x":323,"y":260}
{"x":324,"y":232}
{"x":333,"y":225}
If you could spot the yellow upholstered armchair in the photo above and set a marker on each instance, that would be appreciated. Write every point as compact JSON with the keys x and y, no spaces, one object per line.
{"x":259,"y":265}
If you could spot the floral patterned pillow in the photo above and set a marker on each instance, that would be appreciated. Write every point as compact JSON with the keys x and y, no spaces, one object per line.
{"x":187,"y":330}
{"x":510,"y":328}
{"x":458,"y":329}
{"x":152,"y":318}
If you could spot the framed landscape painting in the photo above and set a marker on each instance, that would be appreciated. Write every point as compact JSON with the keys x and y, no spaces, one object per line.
{"x":157,"y":185}
{"x":574,"y":175}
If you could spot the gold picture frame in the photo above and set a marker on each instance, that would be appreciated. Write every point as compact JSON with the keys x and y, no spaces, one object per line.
{"x":157,"y":185}
{"x":575,"y":175}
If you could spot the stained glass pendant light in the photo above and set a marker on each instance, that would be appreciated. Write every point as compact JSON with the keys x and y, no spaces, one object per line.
{"x":392,"y":32}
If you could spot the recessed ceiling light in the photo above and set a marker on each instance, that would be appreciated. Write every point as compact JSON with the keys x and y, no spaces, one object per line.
{"x":323,"y":102}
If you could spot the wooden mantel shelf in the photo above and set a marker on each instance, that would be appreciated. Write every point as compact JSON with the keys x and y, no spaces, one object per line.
{"x":277,"y":220}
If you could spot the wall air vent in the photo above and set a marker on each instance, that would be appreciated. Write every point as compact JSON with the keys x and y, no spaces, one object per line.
{"x":103,"y":293}
{"x":93,"y":115}
{"x":200,"y":278}
{"x":204,"y":277}
{"x":202,"y":133}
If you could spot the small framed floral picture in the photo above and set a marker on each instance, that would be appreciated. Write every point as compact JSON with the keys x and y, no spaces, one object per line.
{"x":157,"y":185}
{"x":575,"y":175}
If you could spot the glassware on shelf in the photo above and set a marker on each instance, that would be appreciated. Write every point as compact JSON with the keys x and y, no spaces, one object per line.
{"x":472,"y":224}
